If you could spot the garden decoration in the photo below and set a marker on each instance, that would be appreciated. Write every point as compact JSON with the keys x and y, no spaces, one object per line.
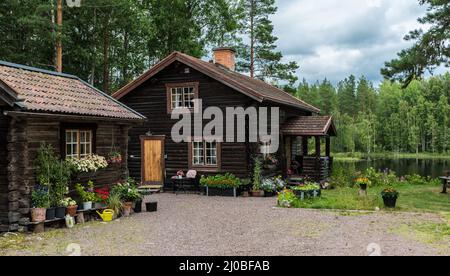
{"x":363,"y":183}
{"x":390,"y":196}
{"x":107,"y":215}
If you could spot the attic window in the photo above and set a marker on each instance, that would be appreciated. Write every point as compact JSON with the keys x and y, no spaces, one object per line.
{"x":181,"y":96}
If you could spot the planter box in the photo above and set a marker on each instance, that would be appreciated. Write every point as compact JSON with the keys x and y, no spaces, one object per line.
{"x":230,"y":192}
{"x":307,"y":194}
{"x":270,"y":194}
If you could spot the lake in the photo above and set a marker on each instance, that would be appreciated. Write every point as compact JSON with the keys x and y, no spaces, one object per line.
{"x":402,"y":167}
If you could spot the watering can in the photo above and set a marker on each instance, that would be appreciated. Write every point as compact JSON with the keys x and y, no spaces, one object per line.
{"x":107,"y":215}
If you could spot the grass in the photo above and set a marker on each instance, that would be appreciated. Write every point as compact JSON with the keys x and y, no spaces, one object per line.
{"x":357,"y":156}
{"x":413,"y":198}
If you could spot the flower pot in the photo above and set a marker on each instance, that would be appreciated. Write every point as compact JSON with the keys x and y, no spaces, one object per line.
{"x":257,"y":193}
{"x":50,"y":214}
{"x":269,"y":193}
{"x":127,"y":208}
{"x":60,"y":212}
{"x":138,"y":207}
{"x":230,"y":192}
{"x":87,"y":205}
{"x":38,"y":214}
{"x":151,"y":206}
{"x":98,"y":205}
{"x":71,"y":210}
{"x":390,"y":202}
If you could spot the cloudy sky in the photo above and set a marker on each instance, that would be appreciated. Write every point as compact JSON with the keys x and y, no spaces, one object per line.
{"x":336,"y":38}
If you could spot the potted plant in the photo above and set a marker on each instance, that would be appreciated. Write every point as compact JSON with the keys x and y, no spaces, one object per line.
{"x":71,"y":206}
{"x":102,"y":195}
{"x":115,"y":204}
{"x":309,"y":190}
{"x":270,"y":162}
{"x":115,"y":158}
{"x":390,"y":196}
{"x":286,"y":198}
{"x":86,"y":195}
{"x":128,"y":193}
{"x":269,"y":187}
{"x":221,"y":185}
{"x":40,"y":201}
{"x":256,"y":189}
{"x":363,"y":183}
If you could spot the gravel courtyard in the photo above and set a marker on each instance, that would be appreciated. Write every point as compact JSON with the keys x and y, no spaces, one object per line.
{"x":198,"y":225}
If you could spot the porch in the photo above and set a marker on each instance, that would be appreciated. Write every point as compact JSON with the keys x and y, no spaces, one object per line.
{"x":303,"y":134}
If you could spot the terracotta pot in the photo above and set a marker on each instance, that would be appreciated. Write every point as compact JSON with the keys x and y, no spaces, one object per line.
{"x":72,"y":210}
{"x":127,"y":208}
{"x":38,"y":214}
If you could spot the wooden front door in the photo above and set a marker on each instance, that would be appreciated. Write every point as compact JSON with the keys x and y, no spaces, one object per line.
{"x":153,"y":165}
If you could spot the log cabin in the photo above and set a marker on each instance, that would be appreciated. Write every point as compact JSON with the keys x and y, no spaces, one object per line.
{"x":177,"y":80}
{"x":39,"y":106}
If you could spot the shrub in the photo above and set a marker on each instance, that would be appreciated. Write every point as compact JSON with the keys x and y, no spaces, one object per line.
{"x":286,"y":198}
{"x":127,"y":191}
{"x":85,"y":194}
{"x":40,"y":199}
{"x":221,"y":181}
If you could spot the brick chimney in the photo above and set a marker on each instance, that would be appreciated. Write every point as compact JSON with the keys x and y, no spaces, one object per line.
{"x":226,"y":57}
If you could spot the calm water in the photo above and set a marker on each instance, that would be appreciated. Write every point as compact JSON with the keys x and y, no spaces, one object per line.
{"x":424,"y":167}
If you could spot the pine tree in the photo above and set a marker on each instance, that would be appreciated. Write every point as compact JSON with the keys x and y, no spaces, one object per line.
{"x":347,"y":96}
{"x":259,"y":57}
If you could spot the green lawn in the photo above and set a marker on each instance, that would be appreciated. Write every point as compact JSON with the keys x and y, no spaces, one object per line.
{"x":412,"y":198}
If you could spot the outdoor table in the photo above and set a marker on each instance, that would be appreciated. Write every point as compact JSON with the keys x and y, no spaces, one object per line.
{"x":178,"y":184}
{"x":445,"y":180}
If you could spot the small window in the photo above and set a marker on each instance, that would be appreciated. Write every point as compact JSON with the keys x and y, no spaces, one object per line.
{"x":78,"y":143}
{"x":181,"y":96}
{"x":205,"y":154}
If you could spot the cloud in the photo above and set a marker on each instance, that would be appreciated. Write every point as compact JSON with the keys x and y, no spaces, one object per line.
{"x":333,"y":39}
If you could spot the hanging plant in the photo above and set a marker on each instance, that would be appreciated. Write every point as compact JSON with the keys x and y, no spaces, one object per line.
{"x":115,"y":158}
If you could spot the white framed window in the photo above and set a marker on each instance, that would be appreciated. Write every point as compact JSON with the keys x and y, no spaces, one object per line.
{"x":78,"y":143}
{"x":181,"y":96}
{"x":205,"y":154}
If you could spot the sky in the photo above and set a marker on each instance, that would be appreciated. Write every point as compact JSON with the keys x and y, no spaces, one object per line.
{"x":335,"y":38}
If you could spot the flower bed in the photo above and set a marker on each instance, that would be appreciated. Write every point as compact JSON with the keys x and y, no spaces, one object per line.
{"x":221,"y":185}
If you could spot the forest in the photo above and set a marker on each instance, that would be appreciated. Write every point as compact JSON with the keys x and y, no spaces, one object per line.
{"x":389,"y":118}
{"x":110,"y":42}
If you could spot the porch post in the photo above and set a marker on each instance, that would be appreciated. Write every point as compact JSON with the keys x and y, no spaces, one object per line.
{"x":305,"y":146}
{"x":318,"y":146}
{"x":328,"y":146}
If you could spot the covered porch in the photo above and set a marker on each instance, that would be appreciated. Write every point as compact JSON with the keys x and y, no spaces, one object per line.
{"x":307,"y":142}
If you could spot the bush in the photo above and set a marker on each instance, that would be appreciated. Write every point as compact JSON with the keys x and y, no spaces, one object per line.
{"x":221,"y":181}
{"x":40,"y":199}
{"x":286,"y":198}
{"x":127,"y":191}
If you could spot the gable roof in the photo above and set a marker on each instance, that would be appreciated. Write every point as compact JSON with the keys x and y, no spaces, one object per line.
{"x":254,"y":88}
{"x":33,"y":89}
{"x":309,"y":126}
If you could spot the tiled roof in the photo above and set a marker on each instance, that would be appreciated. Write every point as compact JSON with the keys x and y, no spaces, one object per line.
{"x":309,"y":126}
{"x":45,"y":91}
{"x":254,"y":88}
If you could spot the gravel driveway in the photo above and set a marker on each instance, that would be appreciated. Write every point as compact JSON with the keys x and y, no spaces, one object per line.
{"x":198,"y":225}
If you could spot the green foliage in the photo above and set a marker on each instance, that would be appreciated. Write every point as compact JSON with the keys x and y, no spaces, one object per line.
{"x":431,"y":47}
{"x":86,"y":194}
{"x":307,"y":187}
{"x":53,"y":173}
{"x":286,"y":198}
{"x":40,"y":199}
{"x":115,"y":203}
{"x":257,"y":170}
{"x":221,"y":181}
{"x":258,"y":55}
{"x":127,"y":191}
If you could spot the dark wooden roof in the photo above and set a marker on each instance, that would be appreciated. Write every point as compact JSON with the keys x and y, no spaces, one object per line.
{"x":253,"y":88}
{"x":36,"y":90}
{"x":309,"y":126}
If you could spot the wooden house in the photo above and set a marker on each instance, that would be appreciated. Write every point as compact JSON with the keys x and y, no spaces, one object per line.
{"x":38,"y":106}
{"x":176,"y":81}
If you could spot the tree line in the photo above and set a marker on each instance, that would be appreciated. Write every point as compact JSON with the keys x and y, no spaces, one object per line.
{"x":415,"y":119}
{"x":110,"y":42}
